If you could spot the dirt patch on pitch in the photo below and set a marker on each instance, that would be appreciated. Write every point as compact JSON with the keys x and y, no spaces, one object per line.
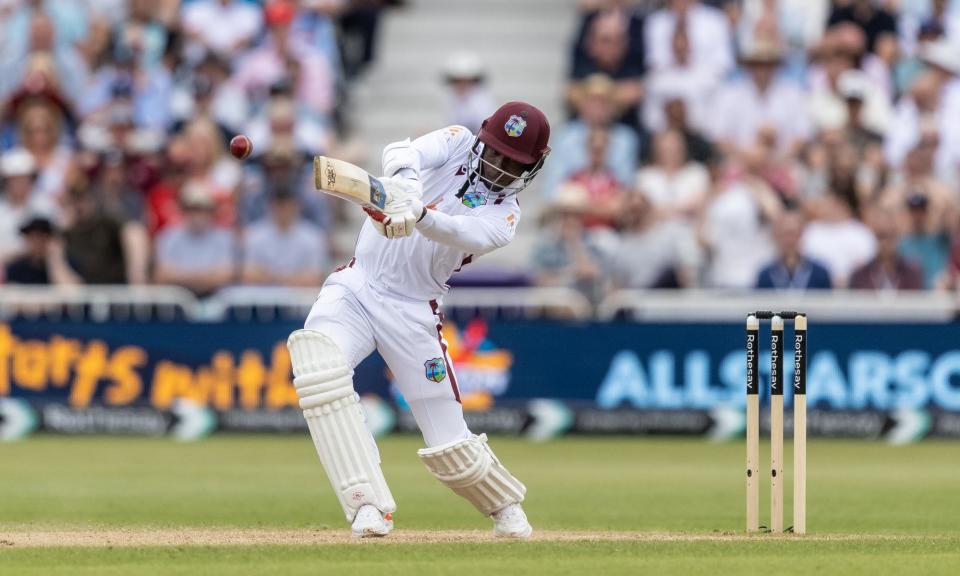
{"x":99,"y":537}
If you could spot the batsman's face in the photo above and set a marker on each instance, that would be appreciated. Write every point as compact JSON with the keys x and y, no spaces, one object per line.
{"x":500,"y":171}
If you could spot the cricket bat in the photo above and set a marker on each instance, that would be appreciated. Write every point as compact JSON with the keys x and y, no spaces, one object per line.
{"x":349,"y":182}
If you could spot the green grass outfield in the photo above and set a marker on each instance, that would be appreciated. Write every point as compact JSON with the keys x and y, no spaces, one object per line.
{"x":261,"y":505}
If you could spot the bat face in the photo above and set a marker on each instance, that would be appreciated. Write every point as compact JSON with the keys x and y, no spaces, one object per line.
{"x":349,"y":182}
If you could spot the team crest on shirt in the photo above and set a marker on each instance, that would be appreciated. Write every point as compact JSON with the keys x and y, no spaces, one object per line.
{"x":483,"y":368}
{"x":436,"y":369}
{"x":474,"y":199}
{"x":515,"y":126}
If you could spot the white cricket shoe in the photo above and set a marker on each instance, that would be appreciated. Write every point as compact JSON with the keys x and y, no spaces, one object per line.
{"x":370,"y":522}
{"x":511,"y":522}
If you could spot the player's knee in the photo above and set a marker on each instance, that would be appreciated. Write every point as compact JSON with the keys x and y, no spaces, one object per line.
{"x":320,"y":369}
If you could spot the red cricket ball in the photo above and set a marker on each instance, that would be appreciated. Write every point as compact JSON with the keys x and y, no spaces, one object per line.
{"x":240,"y":147}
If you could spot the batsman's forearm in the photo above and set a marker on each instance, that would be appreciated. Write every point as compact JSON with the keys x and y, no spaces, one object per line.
{"x":471,"y":235}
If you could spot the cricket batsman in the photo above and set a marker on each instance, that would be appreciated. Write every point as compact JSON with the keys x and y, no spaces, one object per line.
{"x":452,"y":198}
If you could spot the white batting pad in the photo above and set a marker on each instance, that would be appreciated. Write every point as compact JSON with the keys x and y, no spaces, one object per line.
{"x":324,"y":383}
{"x":470,"y":468}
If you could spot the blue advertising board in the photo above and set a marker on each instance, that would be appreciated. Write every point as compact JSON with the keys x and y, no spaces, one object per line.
{"x":593,"y":368}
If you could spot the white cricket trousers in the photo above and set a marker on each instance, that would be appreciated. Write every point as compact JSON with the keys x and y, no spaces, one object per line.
{"x":407,"y":333}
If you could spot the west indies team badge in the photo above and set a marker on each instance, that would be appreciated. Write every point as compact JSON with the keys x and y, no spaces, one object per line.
{"x":515,"y":126}
{"x":436,"y":369}
{"x":474,"y":199}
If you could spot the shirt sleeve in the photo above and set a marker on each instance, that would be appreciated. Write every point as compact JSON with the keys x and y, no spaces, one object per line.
{"x":428,"y":151}
{"x":491,"y":229}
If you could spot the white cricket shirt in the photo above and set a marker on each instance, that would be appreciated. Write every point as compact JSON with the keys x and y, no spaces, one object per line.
{"x":465,"y":220}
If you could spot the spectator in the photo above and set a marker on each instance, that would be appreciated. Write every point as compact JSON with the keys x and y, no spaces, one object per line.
{"x":117,"y":199}
{"x":40,"y":126}
{"x":283,"y":122}
{"x":43,"y":260}
{"x":35,"y":50}
{"x":117,"y":84}
{"x":315,"y":24}
{"x":911,"y":65}
{"x":760,"y":21}
{"x":208,"y":163}
{"x":654,"y":253}
{"x":937,"y":18}
{"x":359,"y":23}
{"x":213,"y":96}
{"x":943,"y":59}
{"x":840,"y":51}
{"x":196,"y":254}
{"x":224,"y":27}
{"x":675,"y":187}
{"x":795,"y":23}
{"x":606,"y":49}
{"x":469,"y":100}
{"x":603,"y":192}
{"x":855,"y":89}
{"x":114,"y":191}
{"x":846,"y":45}
{"x":707,"y":30}
{"x":791,"y":270}
{"x":284,"y":164}
{"x":18,"y":203}
{"x":845,"y":174}
{"x":285,"y":57}
{"x":933,"y":103}
{"x":699,"y":148}
{"x":95,"y":243}
{"x":142,"y":33}
{"x":870,"y":17}
{"x":735,"y":228}
{"x":762,"y":161}
{"x":838,"y":240}
{"x":760,"y":101}
{"x":283,"y":249}
{"x":68,"y":21}
{"x":625,"y":9}
{"x":929,"y":208}
{"x":926,"y":245}
{"x":917,"y":178}
{"x":681,"y":80}
{"x":163,"y":197}
{"x":888,"y":270}
{"x":570,"y":153}
{"x":565,"y":255}
{"x":120,"y":80}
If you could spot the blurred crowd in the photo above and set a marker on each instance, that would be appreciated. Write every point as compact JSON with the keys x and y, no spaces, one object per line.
{"x":775,"y":144}
{"x":787,"y":145}
{"x":116,"y":114}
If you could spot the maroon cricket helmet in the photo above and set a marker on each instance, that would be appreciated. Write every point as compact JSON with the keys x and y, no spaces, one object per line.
{"x":519,"y":131}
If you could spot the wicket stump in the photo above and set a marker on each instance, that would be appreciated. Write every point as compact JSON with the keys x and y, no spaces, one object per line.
{"x":777,"y":321}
